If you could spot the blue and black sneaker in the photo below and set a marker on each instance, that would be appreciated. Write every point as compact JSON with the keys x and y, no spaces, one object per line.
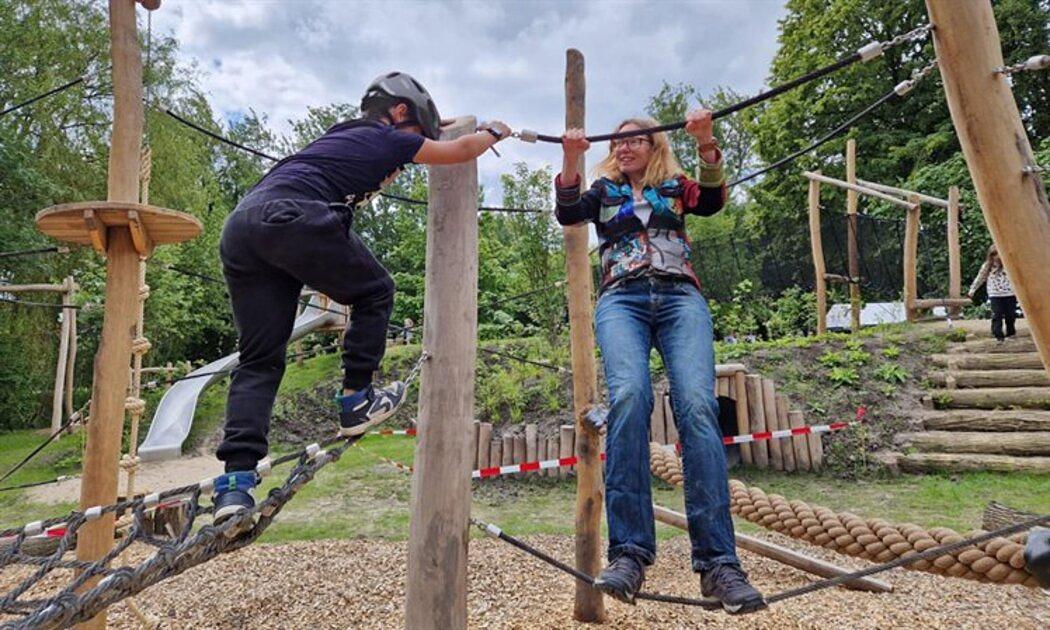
{"x":366,"y":408}
{"x":727,"y":584}
{"x":233,"y":495}
{"x":622,"y":579}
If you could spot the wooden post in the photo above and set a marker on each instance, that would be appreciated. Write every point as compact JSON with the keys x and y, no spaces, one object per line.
{"x":743,"y":422}
{"x":484,"y":444}
{"x":552,"y":453}
{"x":63,"y":357}
{"x":757,"y":415}
{"x":769,"y":405}
{"x":799,"y":443}
{"x":911,"y":257}
{"x":71,"y":360}
{"x":436,"y":585}
{"x":657,"y":432}
{"x":475,"y":443}
{"x":102,"y":448}
{"x":495,"y":452}
{"x":787,"y":451}
{"x":817,"y":246}
{"x":531,"y":445}
{"x":851,"y":237}
{"x":588,"y":606}
{"x":670,"y":427}
{"x":997,"y":150}
{"x":508,"y":450}
{"x":566,"y":446}
{"x":954,"y":258}
{"x":816,"y":451}
{"x":519,"y":452}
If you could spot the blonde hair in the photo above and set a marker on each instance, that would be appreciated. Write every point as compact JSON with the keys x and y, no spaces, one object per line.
{"x":993,"y":251}
{"x":662,"y":163}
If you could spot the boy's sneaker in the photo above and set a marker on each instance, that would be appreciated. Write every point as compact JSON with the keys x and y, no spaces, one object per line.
{"x":622,"y":579}
{"x":366,"y":408}
{"x":727,"y":583}
{"x":233,"y":495}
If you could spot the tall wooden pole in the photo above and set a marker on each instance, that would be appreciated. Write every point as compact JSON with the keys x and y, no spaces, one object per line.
{"x":851,"y":237}
{"x":911,"y":258}
{"x":63,"y":355}
{"x":102,"y":448}
{"x":818,"y":256}
{"x":996,"y":148}
{"x":954,"y":258}
{"x":436,"y":586}
{"x":588,"y":604}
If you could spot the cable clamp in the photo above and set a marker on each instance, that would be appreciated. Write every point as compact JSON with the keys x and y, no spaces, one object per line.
{"x":871,"y":50}
{"x":526,"y":135}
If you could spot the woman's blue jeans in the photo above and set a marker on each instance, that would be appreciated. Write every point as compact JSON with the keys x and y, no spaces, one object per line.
{"x":673,"y":317}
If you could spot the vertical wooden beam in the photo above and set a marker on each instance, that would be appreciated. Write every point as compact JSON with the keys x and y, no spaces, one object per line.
{"x":484,"y":444}
{"x":508,"y":450}
{"x":997,"y":150}
{"x":102,"y":447}
{"x":552,"y":453}
{"x":743,"y":422}
{"x":670,"y":427}
{"x":474,"y":444}
{"x":769,"y":405}
{"x":63,"y":359}
{"x":799,"y":442}
{"x":818,"y":257}
{"x":851,"y":236}
{"x":911,"y":258}
{"x":757,"y":415}
{"x":531,"y":445}
{"x":495,"y":452}
{"x":954,"y":258}
{"x":436,"y":586}
{"x":71,"y":361}
{"x":783,"y":423}
{"x":566,"y":447}
{"x":657,"y":432}
{"x":588,"y":605}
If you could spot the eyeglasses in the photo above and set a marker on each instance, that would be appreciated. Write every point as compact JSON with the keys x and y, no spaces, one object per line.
{"x":630,"y":143}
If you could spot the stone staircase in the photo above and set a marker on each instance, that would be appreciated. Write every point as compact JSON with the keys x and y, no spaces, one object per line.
{"x":989,"y":408}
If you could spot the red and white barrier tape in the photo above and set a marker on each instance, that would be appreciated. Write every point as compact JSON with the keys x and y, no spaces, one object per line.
{"x":561,"y":462}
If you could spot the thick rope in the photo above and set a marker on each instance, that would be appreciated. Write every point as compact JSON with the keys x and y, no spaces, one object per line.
{"x":998,"y":560}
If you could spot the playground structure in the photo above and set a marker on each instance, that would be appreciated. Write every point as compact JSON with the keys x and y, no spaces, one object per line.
{"x":126,"y":232}
{"x":911,"y":202}
{"x":62,"y":398}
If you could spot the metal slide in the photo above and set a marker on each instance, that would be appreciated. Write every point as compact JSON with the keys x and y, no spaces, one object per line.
{"x":174,"y":415}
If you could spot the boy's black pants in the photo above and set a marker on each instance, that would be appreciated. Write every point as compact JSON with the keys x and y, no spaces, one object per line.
{"x":269,"y":251}
{"x":1003,"y":308}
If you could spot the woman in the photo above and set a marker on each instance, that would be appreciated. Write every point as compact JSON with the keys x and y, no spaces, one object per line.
{"x":650,"y":297}
{"x":1000,"y":294}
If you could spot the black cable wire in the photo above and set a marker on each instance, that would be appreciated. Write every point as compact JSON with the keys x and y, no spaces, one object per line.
{"x":819,"y":142}
{"x":61,"y":88}
{"x":51,"y":438}
{"x":8,"y":300}
{"x":732,"y":109}
{"x":33,"y":252}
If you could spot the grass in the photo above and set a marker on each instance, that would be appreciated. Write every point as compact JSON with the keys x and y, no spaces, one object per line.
{"x":61,"y":457}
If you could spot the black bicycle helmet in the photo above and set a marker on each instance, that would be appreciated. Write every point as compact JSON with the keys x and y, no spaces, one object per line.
{"x":397,"y":87}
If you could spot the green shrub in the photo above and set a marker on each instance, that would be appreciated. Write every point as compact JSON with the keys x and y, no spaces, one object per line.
{"x":891,"y":352}
{"x":843,"y":376}
{"x":891,"y":373}
{"x":832,"y":358}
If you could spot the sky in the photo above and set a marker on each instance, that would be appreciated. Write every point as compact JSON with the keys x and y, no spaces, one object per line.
{"x":490,"y":59}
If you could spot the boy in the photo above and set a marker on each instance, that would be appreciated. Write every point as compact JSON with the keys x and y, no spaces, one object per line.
{"x":293,"y":229}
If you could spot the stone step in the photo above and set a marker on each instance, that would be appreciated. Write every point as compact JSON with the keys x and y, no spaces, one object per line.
{"x":989,"y":378}
{"x":963,"y":462}
{"x":989,"y":361}
{"x":1013,"y":344}
{"x":992,"y":398}
{"x":991,"y":420}
{"x":1022,"y":444}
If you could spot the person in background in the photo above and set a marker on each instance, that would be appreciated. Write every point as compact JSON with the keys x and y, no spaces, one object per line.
{"x":1000,"y":294}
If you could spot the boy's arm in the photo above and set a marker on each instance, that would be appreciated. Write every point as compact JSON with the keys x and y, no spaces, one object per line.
{"x":463,"y":148}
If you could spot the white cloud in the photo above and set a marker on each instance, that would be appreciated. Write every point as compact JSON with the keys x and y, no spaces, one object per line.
{"x":493,"y":59}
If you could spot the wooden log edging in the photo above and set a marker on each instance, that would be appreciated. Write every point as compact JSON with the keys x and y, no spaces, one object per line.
{"x":1000,"y":560}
